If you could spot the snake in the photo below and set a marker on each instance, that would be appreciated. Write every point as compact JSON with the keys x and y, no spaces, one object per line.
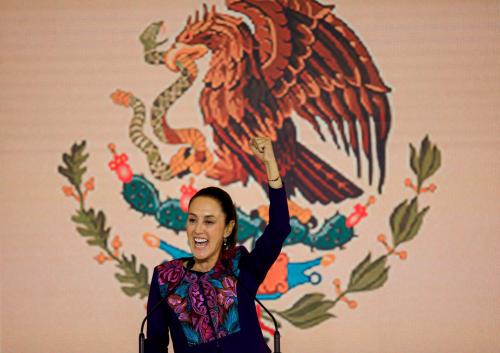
{"x":193,"y":158}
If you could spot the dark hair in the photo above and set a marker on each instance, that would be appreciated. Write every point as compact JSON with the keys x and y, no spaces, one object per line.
{"x":228,"y":208}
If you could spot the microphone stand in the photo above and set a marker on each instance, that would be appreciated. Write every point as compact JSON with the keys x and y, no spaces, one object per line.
{"x":142,"y":339}
{"x":277,"y":336}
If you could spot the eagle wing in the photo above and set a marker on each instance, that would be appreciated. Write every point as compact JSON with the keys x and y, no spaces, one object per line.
{"x":238,"y":105}
{"x":315,"y":65}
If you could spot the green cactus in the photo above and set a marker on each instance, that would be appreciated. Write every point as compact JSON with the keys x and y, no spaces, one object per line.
{"x":171,"y":216}
{"x":141,"y":195}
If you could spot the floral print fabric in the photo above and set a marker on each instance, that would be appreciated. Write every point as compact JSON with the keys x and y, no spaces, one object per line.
{"x":206,"y":304}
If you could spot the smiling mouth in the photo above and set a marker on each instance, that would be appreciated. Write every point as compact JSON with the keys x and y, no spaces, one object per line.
{"x":200,"y":242}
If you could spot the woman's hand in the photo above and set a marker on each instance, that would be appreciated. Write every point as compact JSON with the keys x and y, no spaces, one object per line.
{"x":262,"y":148}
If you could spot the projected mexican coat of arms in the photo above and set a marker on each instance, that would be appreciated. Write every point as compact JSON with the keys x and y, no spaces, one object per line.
{"x":297,"y":61}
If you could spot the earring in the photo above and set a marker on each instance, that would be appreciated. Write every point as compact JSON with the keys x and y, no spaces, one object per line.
{"x":225,"y":242}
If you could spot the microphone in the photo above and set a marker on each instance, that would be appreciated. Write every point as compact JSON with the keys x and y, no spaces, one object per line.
{"x":277,"y":336}
{"x":142,"y":339}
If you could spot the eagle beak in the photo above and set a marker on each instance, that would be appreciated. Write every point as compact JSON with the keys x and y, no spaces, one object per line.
{"x":180,"y":52}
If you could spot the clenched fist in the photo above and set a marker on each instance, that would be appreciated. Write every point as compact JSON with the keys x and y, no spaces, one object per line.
{"x":262,"y":148}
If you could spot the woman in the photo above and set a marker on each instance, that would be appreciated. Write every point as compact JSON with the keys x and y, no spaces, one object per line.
{"x":208,"y":304}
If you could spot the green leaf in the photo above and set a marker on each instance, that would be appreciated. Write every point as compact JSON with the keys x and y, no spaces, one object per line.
{"x":73,"y":168}
{"x":130,"y":291}
{"x":360,"y":269}
{"x":380,"y":281}
{"x":317,"y":309}
{"x":96,"y":242}
{"x":309,"y":299}
{"x":143,"y":271}
{"x":313,"y":322}
{"x":134,"y":281}
{"x":369,"y":276}
{"x":406,"y":221}
{"x":79,"y":217}
{"x":92,"y":226}
{"x":424,"y":148}
{"x":410,"y":212}
{"x":124,"y":278}
{"x":415,"y":227}
{"x":308,"y":311}
{"x":304,"y":303}
{"x":100,"y":220}
{"x":436,"y":161}
{"x":396,"y":218}
{"x":414,"y":160}
{"x":426,"y":165}
{"x":65,"y":172}
{"x":429,"y":160}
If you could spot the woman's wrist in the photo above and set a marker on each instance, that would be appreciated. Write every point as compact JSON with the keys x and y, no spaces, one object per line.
{"x":273,"y":173}
{"x":274,"y":178}
{"x":276,"y":184}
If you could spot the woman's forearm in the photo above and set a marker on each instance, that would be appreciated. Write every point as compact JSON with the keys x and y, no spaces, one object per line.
{"x":273,"y":174}
{"x":262,"y":148}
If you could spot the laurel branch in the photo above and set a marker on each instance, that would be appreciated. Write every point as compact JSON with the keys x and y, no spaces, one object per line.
{"x":91,"y":224}
{"x":405,"y":223}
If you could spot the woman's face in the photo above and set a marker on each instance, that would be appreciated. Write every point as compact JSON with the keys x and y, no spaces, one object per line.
{"x":206,"y":230}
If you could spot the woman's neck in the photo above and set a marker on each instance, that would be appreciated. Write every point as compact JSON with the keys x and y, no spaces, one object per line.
{"x":203,"y":266}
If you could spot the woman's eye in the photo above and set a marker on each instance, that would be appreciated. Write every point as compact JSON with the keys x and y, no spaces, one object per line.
{"x":209,"y":222}
{"x":191,"y":220}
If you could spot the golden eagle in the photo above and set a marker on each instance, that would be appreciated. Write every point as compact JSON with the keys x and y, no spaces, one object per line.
{"x":299,"y":58}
